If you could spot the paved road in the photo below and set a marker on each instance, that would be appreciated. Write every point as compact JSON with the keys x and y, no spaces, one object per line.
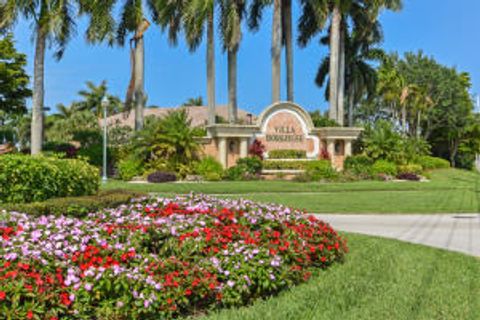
{"x":456,"y":232}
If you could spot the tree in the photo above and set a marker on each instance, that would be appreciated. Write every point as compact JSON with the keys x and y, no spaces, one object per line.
{"x":197,"y":15}
{"x":14,"y":80}
{"x":281,"y":35}
{"x":315,"y":15}
{"x":53,"y":24}
{"x":232,"y":13}
{"x":193,"y":102}
{"x":92,"y":100}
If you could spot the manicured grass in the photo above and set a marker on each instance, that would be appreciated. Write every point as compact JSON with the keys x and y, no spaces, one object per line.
{"x":449,"y":191}
{"x":381,"y":279}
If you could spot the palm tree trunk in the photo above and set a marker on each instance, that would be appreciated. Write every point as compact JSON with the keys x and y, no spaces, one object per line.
{"x":334,"y":62}
{"x":139,"y":91}
{"x":38,"y":93}
{"x":232,"y":85}
{"x":418,"y":129}
{"x":341,"y":80}
{"x":287,"y":31}
{"x":276,"y":49}
{"x":351,"y":97}
{"x":211,"y":68}
{"x":404,"y":119}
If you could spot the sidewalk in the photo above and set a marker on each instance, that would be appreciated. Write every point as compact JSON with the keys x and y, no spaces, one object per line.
{"x":456,"y":232}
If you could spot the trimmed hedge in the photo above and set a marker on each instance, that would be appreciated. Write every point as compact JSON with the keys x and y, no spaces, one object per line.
{"x":430,"y":163}
{"x":75,"y":206}
{"x":27,"y":178}
{"x":285,"y":165}
{"x":287,"y":154}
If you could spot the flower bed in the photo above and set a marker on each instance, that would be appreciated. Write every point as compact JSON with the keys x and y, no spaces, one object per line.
{"x":157,"y":258}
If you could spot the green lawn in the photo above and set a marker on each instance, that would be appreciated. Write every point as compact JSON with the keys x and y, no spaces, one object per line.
{"x":381,"y":279}
{"x":449,"y":191}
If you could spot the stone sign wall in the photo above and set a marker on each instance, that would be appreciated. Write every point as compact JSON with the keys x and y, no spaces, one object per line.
{"x":287,"y":126}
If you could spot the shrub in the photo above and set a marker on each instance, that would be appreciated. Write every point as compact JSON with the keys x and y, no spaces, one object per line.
{"x":129,"y":168}
{"x":210,"y":169}
{"x":285,"y":165}
{"x":257,"y":149}
{"x":430,"y":163}
{"x":252,"y":165}
{"x":320,"y":169}
{"x":408,"y":176}
{"x":93,"y":153}
{"x":246,"y":169}
{"x":360,"y":165}
{"x":384,"y":167}
{"x":410,"y":168}
{"x":75,"y":206}
{"x":161,"y":177}
{"x":25,"y":178}
{"x":69,"y":150}
{"x":287,"y":154}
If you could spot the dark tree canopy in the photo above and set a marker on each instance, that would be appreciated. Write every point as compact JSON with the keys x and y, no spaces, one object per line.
{"x":13,"y":79}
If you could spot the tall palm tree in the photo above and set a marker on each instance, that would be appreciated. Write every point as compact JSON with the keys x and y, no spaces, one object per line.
{"x":232,"y":13}
{"x":53,"y":24}
{"x":198,"y":14}
{"x":133,"y":21}
{"x":281,"y":34}
{"x":315,"y":15}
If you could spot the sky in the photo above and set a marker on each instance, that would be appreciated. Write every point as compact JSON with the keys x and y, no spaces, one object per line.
{"x":444,"y":29}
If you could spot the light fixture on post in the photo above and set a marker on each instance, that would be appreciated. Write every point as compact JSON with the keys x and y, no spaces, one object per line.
{"x":104,"y":107}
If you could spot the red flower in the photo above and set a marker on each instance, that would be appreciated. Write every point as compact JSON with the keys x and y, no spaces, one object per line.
{"x":3,"y":295}
{"x":29,"y":314}
{"x":188,"y":292}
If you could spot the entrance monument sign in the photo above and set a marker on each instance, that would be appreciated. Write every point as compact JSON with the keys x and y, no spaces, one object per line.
{"x":281,"y":126}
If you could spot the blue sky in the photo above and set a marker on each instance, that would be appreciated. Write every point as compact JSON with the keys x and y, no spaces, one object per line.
{"x":446,"y":29}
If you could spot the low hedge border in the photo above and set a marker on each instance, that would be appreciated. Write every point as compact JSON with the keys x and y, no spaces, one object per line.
{"x":287,"y":154}
{"x":75,"y":206}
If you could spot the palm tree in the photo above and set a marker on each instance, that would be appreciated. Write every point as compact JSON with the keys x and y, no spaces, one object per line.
{"x":92,"y":99}
{"x":53,"y":24}
{"x":232,"y":13}
{"x":314,"y":16}
{"x":193,"y":102}
{"x":281,"y":34}
{"x":197,"y":15}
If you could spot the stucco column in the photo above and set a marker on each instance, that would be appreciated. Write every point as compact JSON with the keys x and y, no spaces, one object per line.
{"x":331,"y":150}
{"x":243,"y":147}
{"x":222,"y":151}
{"x":348,"y":148}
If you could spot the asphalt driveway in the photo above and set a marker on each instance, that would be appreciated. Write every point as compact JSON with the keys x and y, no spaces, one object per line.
{"x":455,"y":232}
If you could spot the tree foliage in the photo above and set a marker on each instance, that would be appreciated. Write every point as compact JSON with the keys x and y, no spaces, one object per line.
{"x":13,"y":79}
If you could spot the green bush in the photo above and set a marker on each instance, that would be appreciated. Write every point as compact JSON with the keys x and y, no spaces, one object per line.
{"x":320,"y":169}
{"x":287,"y":154}
{"x":209,"y":168}
{"x":430,"y":163}
{"x":25,"y":178}
{"x":410,"y":168}
{"x":246,"y":169}
{"x":253,"y":165}
{"x":285,"y":165}
{"x":129,"y":168}
{"x":359,"y":165}
{"x":384,"y":167}
{"x":93,"y":153}
{"x":75,"y":206}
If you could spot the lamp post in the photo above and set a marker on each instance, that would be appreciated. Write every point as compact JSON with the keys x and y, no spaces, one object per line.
{"x":104,"y":107}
